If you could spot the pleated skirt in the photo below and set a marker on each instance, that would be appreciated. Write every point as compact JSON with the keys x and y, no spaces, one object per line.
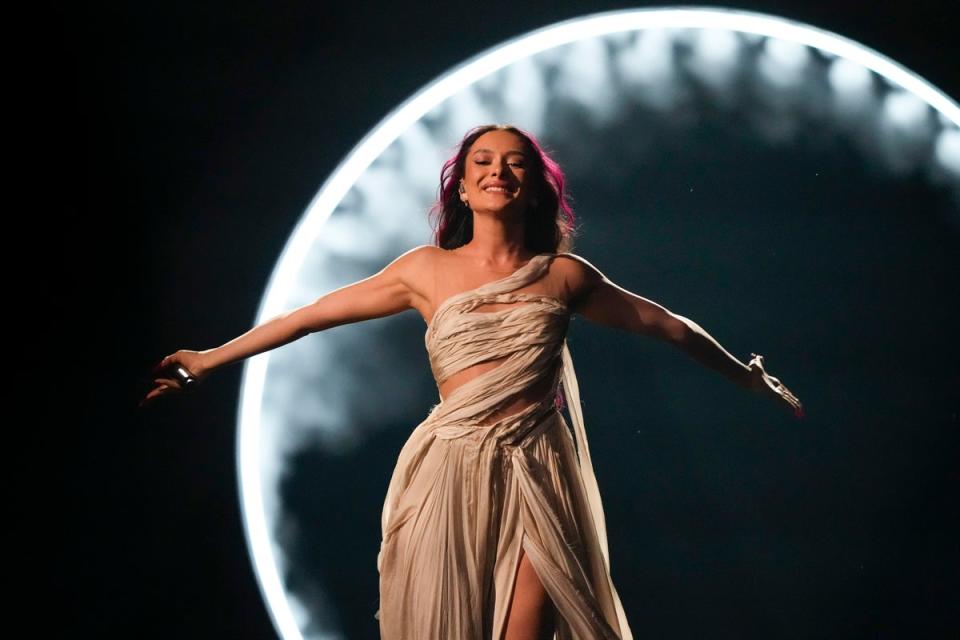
{"x":457,"y":513}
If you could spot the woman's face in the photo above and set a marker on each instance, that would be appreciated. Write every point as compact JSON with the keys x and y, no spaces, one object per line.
{"x":495,"y":174}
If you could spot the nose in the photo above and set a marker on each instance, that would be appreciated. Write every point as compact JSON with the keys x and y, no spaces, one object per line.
{"x":499,"y":168}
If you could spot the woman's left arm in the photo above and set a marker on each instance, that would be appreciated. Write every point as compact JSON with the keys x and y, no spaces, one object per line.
{"x":592,"y":295}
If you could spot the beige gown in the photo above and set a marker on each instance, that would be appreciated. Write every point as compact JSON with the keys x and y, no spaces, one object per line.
{"x":468,"y":491}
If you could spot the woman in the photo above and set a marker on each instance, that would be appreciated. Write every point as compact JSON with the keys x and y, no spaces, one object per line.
{"x":492,"y":524}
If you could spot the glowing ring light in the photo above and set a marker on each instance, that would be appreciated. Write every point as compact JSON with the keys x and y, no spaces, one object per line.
{"x":408,"y":113}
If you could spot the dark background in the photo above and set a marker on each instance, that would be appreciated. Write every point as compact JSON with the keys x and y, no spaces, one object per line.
{"x":195,"y":135}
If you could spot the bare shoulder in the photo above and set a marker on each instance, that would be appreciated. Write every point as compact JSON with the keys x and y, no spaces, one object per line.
{"x":578,"y":275}
{"x":414,"y":269}
{"x":574,"y":265}
{"x":415,"y":265}
{"x":420,"y":253}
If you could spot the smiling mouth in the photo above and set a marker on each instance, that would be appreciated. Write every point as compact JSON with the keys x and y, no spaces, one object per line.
{"x":502,"y":190}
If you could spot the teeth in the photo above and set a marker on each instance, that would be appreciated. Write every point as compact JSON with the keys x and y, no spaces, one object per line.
{"x":500,"y":189}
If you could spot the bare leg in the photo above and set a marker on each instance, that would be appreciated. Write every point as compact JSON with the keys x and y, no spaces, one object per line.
{"x":530,"y":614}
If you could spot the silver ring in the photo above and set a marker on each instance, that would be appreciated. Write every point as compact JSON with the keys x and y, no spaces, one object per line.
{"x":186,"y":379}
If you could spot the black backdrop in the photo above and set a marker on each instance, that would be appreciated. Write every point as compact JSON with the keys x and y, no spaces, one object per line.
{"x":194,"y":135}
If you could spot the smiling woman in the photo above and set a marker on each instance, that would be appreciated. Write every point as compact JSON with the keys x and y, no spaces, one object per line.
{"x":657,"y":60}
{"x":492,"y":524}
{"x":507,"y":171}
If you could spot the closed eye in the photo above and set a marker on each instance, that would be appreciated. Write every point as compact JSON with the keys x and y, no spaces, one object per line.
{"x":512,"y":164}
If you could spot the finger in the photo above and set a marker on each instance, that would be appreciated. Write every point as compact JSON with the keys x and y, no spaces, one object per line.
{"x":796,"y":405}
{"x":163,"y":387}
{"x":168,"y":361}
{"x":168,"y":382}
{"x":787,"y":395}
{"x":149,"y":398}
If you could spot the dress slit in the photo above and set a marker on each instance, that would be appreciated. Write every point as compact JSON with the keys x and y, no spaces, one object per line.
{"x":553,"y":612}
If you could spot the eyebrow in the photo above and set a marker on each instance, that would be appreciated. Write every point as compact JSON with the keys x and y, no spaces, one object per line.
{"x":512,"y":152}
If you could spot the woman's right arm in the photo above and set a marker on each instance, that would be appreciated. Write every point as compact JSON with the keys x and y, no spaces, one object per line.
{"x":393,"y":289}
{"x":389,"y":291}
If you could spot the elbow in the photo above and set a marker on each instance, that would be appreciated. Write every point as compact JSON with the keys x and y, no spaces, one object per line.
{"x":308,"y":319}
{"x":674,"y":329}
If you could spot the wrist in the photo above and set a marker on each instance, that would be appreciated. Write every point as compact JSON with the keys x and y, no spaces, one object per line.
{"x":748,"y":379}
{"x":208,"y":361}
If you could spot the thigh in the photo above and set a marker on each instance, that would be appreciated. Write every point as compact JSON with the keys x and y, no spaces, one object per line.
{"x":530,"y":616}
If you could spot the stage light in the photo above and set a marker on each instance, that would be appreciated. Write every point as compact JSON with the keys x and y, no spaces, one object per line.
{"x":373,"y":204}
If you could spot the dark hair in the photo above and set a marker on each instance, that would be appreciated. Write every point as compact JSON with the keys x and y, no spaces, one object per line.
{"x":549,"y":224}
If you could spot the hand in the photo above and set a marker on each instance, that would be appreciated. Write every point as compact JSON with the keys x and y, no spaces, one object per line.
{"x":769,"y":386}
{"x":167,"y":380}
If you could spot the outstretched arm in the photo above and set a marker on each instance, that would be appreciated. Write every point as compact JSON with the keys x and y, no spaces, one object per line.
{"x":598,"y":299}
{"x":387,"y":292}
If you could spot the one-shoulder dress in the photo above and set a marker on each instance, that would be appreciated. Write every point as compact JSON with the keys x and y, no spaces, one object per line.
{"x":469,"y":491}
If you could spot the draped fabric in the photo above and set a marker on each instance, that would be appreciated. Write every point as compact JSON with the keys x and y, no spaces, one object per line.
{"x":473,"y":484}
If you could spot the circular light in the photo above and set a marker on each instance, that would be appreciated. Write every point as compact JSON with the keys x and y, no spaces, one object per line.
{"x":646,"y":43}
